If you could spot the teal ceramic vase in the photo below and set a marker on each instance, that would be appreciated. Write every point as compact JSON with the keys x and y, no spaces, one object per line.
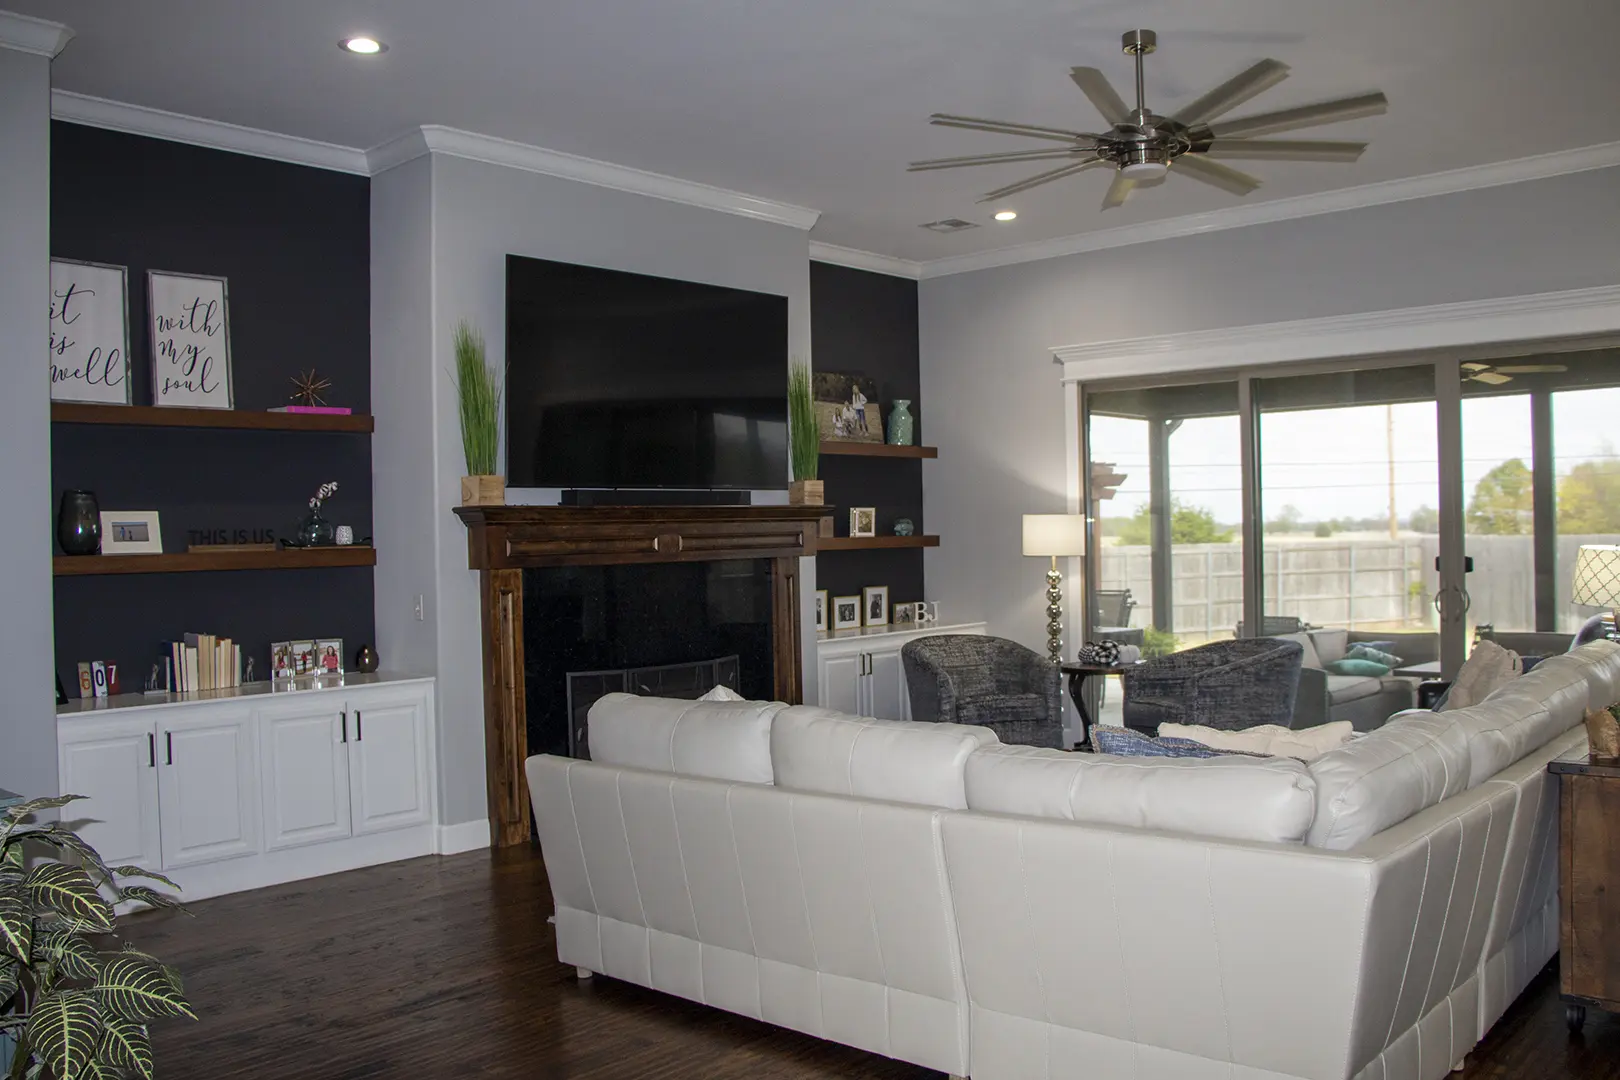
{"x":901,"y":424}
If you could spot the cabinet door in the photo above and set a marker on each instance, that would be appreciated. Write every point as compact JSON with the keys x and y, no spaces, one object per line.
{"x":885,"y":685}
{"x":842,"y":682}
{"x":114,"y":764}
{"x":207,"y":787}
{"x":388,"y":762}
{"x":304,"y":772}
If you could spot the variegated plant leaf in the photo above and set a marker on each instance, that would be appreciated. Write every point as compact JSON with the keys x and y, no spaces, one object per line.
{"x":12,"y":816}
{"x":172,"y":972}
{"x":73,"y":955}
{"x":125,"y":1046}
{"x":10,"y":976}
{"x":137,"y":988}
{"x":69,"y":890}
{"x":16,"y":916}
{"x":150,"y":897}
{"x":63,"y":838}
{"x":136,"y":871}
{"x":63,"y":1031}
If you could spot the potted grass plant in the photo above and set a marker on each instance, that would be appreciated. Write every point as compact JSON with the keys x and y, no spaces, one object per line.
{"x":478,"y":396}
{"x":804,"y":439}
{"x":75,"y":1002}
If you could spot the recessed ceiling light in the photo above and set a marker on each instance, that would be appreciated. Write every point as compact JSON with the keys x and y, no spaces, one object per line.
{"x":1006,"y":215}
{"x":363,"y":45}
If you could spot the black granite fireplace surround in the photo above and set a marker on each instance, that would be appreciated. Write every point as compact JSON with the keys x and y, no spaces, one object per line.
{"x":593,"y":618}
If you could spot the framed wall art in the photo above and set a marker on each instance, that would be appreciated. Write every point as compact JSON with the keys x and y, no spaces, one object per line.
{"x":875,"y":605}
{"x":191,"y":340}
{"x":846,"y":612}
{"x":89,"y":332}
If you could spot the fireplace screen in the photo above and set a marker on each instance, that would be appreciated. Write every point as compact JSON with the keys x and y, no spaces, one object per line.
{"x":689,"y":681}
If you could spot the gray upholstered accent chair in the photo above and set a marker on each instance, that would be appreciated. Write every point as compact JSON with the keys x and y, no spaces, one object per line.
{"x":1225,"y":684}
{"x":990,"y":681}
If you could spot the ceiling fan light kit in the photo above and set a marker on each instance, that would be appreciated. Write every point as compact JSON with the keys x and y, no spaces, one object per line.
{"x":1144,"y":147}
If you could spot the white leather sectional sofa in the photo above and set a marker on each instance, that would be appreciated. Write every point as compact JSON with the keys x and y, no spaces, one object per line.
{"x":922,"y":891}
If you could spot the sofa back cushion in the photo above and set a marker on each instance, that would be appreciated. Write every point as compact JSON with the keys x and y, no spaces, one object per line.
{"x":822,"y":750}
{"x":721,"y":740}
{"x":1525,"y":714}
{"x":1414,"y":761}
{"x":1303,"y":640}
{"x":1331,"y":645}
{"x":1234,"y":798}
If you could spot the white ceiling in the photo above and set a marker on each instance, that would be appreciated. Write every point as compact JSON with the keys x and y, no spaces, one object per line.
{"x":823,"y":103}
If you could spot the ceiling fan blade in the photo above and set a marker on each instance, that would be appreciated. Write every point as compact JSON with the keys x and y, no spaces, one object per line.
{"x":1215,"y":174}
{"x":1233,"y":92}
{"x":997,"y":159}
{"x":1284,"y":150}
{"x":1118,"y":191}
{"x":1491,"y":378}
{"x":1095,"y":85}
{"x":1004,"y":127}
{"x":1325,"y":112}
{"x":1533,"y":369}
{"x":1474,"y":365}
{"x":1039,"y":179}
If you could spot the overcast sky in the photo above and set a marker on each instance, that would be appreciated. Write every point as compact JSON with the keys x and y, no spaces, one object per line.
{"x":1334,"y":463}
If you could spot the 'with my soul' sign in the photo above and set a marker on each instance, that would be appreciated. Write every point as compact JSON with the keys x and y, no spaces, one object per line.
{"x":191,"y":341}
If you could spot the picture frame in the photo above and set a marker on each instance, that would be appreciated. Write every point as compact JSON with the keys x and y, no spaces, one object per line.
{"x":89,"y":335}
{"x":328,"y":657}
{"x":303,"y":657}
{"x":904,"y":614}
{"x":283,"y":661}
{"x":131,"y":532}
{"x":189,"y":319}
{"x":875,"y":605}
{"x":862,"y":521}
{"x":847,"y":408}
{"x":821,"y":610}
{"x":846,"y":612}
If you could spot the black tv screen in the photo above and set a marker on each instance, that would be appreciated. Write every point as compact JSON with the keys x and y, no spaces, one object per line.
{"x":618,"y":380}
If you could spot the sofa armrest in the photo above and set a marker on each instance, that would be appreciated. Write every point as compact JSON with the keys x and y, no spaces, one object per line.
{"x":1311,"y":704}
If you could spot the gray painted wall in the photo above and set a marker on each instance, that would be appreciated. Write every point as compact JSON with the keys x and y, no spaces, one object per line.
{"x":479,"y":213}
{"x":28,"y":728}
{"x":995,"y":406}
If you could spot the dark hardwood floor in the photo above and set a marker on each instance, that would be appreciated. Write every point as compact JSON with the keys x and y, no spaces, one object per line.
{"x":445,"y":968}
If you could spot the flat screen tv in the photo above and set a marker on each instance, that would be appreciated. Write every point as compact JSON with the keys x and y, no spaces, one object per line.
{"x":618,"y":380}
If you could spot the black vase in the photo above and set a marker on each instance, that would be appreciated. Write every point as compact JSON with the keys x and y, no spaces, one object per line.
{"x":78,"y":523}
{"x":365,"y":660}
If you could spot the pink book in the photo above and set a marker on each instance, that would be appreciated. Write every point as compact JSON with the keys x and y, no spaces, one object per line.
{"x":319,"y":410}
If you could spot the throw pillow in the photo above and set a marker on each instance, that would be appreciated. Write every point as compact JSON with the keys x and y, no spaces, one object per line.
{"x":722,"y":693}
{"x":1124,"y":742}
{"x":1381,"y":646}
{"x":1377,"y":656}
{"x":1359,"y":667}
{"x":1272,"y":740}
{"x":1488,"y":666}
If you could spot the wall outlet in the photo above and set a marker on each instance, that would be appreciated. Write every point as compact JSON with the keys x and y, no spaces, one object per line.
{"x":418,"y":607}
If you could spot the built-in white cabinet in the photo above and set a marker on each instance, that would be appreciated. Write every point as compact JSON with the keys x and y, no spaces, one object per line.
{"x":859,"y":671}
{"x":255,"y":787}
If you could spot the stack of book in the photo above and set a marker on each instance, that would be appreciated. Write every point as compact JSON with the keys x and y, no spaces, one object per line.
{"x":205,"y":662}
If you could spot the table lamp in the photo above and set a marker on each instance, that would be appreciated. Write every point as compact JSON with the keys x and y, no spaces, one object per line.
{"x":1597,"y":577}
{"x":1054,"y":535}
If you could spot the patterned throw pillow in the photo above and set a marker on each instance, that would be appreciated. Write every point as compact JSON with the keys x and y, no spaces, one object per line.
{"x":1348,"y":666}
{"x":1123,"y":742}
{"x":1365,"y":651}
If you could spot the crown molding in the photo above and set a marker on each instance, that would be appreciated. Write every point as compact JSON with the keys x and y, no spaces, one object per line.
{"x":1495,"y":174}
{"x":1572,"y":313}
{"x":856,"y":259}
{"x":396,"y":152}
{"x":24,"y":33}
{"x":176,"y":127}
{"x":514,"y":155}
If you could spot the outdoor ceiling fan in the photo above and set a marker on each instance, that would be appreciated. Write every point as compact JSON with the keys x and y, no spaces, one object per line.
{"x":1492,"y":375}
{"x":1142,"y":146}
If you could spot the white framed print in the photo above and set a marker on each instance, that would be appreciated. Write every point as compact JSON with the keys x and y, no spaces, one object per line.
{"x":875,"y":605}
{"x":903,"y":614}
{"x":821,"y":610}
{"x":89,"y":332}
{"x":191,"y":340}
{"x":131,"y":532}
{"x":846,"y":612}
{"x":862,"y":521}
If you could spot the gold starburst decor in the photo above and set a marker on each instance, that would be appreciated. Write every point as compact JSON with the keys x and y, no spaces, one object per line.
{"x":307,"y":388}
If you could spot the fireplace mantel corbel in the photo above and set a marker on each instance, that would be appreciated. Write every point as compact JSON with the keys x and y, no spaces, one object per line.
{"x":503,"y":541}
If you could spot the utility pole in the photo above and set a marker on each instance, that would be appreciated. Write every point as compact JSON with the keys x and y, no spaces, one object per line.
{"x":1389,"y":443}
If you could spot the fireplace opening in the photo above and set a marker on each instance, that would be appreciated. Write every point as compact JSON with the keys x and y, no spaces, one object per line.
{"x":670,"y":629}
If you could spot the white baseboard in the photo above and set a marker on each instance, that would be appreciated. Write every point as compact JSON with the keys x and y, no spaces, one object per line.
{"x":261,"y":869}
{"x":464,"y":836}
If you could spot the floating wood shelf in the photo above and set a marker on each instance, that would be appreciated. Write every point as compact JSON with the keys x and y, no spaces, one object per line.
{"x":189,"y":562}
{"x":877,"y":449}
{"x":66,"y":412}
{"x":862,"y":543}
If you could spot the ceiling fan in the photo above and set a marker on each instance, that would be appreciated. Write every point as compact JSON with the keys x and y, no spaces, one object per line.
{"x":1142,"y":146}
{"x":1493,"y":375}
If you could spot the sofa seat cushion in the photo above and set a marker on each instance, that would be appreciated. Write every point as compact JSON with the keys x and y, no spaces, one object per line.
{"x":831,"y":752}
{"x":1343,"y":689}
{"x":996,"y":707}
{"x":1228,"y":797}
{"x":1414,"y":761}
{"x":719,"y":740}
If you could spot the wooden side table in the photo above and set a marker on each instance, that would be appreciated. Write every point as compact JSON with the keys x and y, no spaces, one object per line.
{"x":1588,"y":883}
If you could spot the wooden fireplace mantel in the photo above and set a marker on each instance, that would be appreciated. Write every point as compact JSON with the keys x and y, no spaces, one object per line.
{"x":503,"y":541}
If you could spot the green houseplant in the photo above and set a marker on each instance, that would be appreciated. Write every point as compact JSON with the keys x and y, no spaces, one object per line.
{"x":75,"y":1000}
{"x":804,"y":439}
{"x":478,"y":397}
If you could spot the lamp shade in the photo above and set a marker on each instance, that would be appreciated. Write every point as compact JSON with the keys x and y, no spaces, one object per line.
{"x":1597,"y":576}
{"x":1054,"y":534}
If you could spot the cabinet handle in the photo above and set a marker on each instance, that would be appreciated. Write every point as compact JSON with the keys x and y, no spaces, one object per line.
{"x":168,"y":747}
{"x":359,"y":732}
{"x":345,"y":722}
{"x":151,"y":750}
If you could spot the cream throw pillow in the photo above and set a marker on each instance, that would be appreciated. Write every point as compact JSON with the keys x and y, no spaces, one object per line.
{"x":722,"y":693}
{"x":1306,"y":744}
{"x":1488,"y":666}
